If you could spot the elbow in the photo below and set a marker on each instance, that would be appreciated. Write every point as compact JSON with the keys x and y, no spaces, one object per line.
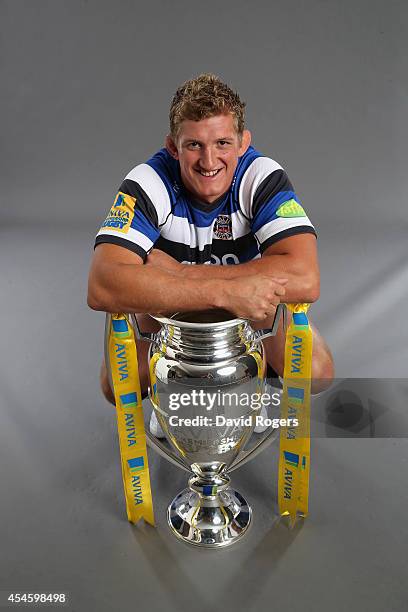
{"x":93,"y":303}
{"x":95,"y":299}
{"x":313,"y":291}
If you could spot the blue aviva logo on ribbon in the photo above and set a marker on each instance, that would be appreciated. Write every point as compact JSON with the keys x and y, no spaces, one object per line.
{"x":136,"y":464}
{"x":291,"y":458}
{"x":129,"y":400}
{"x":120,"y":328}
{"x":129,"y":412}
{"x":294,"y":456}
{"x":296,"y":395}
{"x":300,"y":320}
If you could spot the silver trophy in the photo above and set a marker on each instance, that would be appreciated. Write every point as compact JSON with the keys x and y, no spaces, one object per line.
{"x":206,"y":373}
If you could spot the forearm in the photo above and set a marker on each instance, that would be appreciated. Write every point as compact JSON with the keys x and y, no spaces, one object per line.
{"x":302,"y":286}
{"x":160,"y":286}
{"x":138,"y":288}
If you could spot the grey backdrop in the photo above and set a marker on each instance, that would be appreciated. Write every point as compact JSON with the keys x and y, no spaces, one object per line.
{"x":86,"y":87}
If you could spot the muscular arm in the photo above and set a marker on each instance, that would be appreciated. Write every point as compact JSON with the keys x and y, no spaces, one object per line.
{"x":294,"y":258}
{"x":119,"y":282}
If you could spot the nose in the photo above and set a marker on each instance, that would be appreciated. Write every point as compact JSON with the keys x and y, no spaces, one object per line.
{"x":207,"y":159}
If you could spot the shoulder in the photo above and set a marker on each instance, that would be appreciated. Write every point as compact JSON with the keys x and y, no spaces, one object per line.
{"x":153,"y":181}
{"x":255,"y":174}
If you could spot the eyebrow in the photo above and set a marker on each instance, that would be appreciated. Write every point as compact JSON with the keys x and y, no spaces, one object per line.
{"x":199,"y":141}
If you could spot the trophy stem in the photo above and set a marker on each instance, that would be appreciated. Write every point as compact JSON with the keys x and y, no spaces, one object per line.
{"x":209,"y":513}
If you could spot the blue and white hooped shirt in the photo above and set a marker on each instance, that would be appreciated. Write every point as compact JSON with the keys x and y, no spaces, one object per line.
{"x":153,"y":209}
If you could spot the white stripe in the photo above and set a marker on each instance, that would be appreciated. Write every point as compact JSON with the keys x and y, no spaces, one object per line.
{"x":279,"y":225}
{"x":260,"y":168}
{"x":154,"y":187}
{"x":132,"y":235}
{"x":240,"y":225}
{"x":178,"y":229}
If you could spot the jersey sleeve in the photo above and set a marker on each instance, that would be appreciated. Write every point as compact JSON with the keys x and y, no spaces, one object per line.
{"x":140,"y":207}
{"x":273,"y":208}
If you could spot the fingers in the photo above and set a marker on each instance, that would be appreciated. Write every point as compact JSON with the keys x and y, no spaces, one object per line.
{"x":280,"y":291}
{"x":281,"y":281}
{"x":255,"y":298}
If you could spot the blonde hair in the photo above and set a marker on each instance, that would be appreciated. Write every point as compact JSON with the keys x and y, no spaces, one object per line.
{"x":203,"y":97}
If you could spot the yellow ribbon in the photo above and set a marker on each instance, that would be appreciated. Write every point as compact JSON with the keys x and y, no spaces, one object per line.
{"x":294,"y":450}
{"x":129,"y":411}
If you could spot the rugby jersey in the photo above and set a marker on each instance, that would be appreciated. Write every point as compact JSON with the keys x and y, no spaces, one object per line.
{"x":153,"y":209}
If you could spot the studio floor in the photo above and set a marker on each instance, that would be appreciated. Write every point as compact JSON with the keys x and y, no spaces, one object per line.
{"x":63,"y":522}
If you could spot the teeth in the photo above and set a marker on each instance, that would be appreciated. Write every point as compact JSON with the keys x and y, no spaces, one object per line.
{"x":211,"y":173}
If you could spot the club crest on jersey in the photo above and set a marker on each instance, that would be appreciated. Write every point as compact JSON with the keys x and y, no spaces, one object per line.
{"x":121,"y":214}
{"x":223,"y":227}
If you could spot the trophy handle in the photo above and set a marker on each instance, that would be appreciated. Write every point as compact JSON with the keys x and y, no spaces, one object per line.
{"x":162,"y":449}
{"x":245,"y":456}
{"x":261,"y":334}
{"x":149,"y":336}
{"x":152,"y":441}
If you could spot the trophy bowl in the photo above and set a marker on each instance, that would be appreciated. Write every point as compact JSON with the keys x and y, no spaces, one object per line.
{"x":205,"y":371}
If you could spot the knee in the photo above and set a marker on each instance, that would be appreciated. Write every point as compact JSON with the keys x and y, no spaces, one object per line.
{"x":322,"y":372}
{"x":105,"y":385}
{"x":107,"y":389}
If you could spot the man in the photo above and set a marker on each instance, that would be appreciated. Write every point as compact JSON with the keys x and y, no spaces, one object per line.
{"x":208,"y":198}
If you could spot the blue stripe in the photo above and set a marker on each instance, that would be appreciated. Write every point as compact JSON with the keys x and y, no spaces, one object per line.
{"x":128,"y":398}
{"x":197,"y":217}
{"x":243,"y":164}
{"x":119,"y":325}
{"x":267,"y":212}
{"x":300,"y":318}
{"x":249,"y":254}
{"x":208,"y":490}
{"x":169,"y":171}
{"x":143,"y":225}
{"x":296,"y":392}
{"x":136,"y":462}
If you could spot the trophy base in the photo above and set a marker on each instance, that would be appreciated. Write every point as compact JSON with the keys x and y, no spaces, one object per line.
{"x":210,"y":521}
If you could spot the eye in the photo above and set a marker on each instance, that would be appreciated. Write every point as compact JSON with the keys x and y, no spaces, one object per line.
{"x":193,"y":145}
{"x":223,"y":143}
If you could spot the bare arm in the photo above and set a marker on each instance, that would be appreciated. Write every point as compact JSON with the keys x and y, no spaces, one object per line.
{"x":119,"y":282}
{"x":294,"y":258}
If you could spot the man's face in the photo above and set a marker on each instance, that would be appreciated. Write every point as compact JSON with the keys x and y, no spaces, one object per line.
{"x":208,"y":152}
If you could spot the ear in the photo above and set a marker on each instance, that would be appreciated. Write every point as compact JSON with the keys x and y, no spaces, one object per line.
{"x":245,"y":142}
{"x":171,"y":146}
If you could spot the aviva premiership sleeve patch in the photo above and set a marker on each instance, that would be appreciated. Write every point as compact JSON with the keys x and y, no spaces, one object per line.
{"x":291,"y":208}
{"x":121,"y":214}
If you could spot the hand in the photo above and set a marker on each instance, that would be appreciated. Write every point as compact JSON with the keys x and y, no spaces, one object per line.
{"x":253,"y":297}
{"x":159,"y":259}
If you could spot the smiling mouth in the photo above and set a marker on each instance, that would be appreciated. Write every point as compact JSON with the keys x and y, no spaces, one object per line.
{"x":210,"y":173}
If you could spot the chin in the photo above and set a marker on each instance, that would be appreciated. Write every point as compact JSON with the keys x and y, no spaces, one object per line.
{"x":205,"y":196}
{"x":212,"y":192}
